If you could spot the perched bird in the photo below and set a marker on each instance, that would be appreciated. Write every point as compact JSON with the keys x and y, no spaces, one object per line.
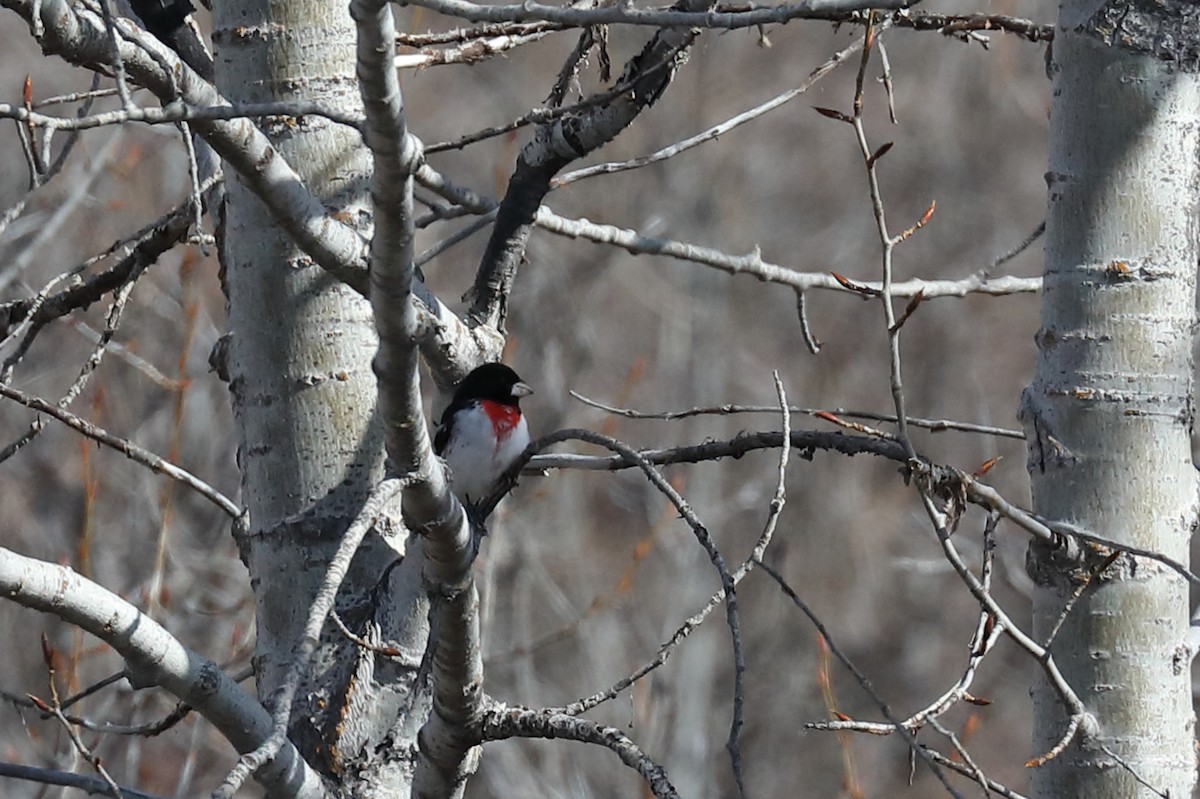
{"x":482,"y":429}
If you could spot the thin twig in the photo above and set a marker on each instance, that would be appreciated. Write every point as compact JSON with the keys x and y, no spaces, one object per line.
{"x":987,"y":632}
{"x":394,"y":652}
{"x":702,"y":535}
{"x":863,"y":682}
{"x":693,"y":622}
{"x":810,"y":340}
{"x":540,"y":116}
{"x":1025,"y":244}
{"x":54,"y":709}
{"x":961,"y":768}
{"x":1082,"y":721}
{"x":130,"y":450}
{"x":715,"y":131}
{"x":935,"y":425}
{"x":178,"y":111}
{"x":887,"y":241}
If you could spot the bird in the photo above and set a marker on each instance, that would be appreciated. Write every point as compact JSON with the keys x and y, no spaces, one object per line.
{"x":482,"y":430}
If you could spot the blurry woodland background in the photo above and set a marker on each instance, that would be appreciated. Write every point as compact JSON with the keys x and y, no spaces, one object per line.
{"x":587,"y":573}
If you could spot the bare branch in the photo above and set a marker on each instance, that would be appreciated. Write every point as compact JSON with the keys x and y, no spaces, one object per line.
{"x":887,"y":241}
{"x":807,"y":441}
{"x":1055,"y":533}
{"x":463,"y":35}
{"x":1015,"y":251}
{"x":863,"y":682}
{"x":46,"y":776}
{"x":469,"y":53}
{"x":53,"y":710}
{"x":446,"y":755}
{"x":715,"y":131}
{"x":626,"y":14}
{"x":966,"y":771}
{"x":756,"y":554}
{"x":538,"y":116}
{"x":987,"y":632}
{"x":557,"y":144}
{"x":79,"y":36}
{"x":961,"y":24}
{"x":177,"y":111}
{"x":810,"y":340}
{"x":178,"y":714}
{"x":1082,"y":721}
{"x":154,"y":657}
{"x":702,"y":535}
{"x":78,"y":193}
{"x":753,"y":264}
{"x":129,"y":449}
{"x":934,"y":425}
{"x":501,"y":722}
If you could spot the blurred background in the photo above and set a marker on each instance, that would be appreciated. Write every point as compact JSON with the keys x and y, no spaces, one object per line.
{"x":586,"y":574}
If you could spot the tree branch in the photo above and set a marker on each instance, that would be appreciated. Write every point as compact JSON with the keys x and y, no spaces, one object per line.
{"x":807,"y":441}
{"x":715,"y":131}
{"x":176,"y":111}
{"x":685,"y":15}
{"x":987,"y":632}
{"x":154,"y":657}
{"x":148,"y":246}
{"x":753,"y":264}
{"x":91,"y":785}
{"x":446,"y":755}
{"x":79,"y":36}
{"x":863,"y":682}
{"x":933,"y":425}
{"x":728,"y":585}
{"x":501,"y":722}
{"x":557,"y":144}
{"x":128,"y":448}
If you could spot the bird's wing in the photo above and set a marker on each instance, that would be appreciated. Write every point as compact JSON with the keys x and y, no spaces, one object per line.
{"x":441,"y":436}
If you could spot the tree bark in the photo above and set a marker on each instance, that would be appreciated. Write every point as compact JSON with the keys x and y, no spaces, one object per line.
{"x":1109,"y":413}
{"x":310,"y":448}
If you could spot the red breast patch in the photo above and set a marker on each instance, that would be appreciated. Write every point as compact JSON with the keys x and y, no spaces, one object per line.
{"x":504,"y":417}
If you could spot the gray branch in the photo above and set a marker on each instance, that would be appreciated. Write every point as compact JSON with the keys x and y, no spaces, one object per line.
{"x":79,"y":36}
{"x":625,"y":14}
{"x":93,"y":786}
{"x":558,"y":143}
{"x":446,"y":755}
{"x":154,"y":657}
{"x":500,"y":723}
{"x":754,"y":265}
{"x":130,"y":450}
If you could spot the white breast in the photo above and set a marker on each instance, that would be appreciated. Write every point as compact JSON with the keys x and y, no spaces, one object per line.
{"x":474,"y":461}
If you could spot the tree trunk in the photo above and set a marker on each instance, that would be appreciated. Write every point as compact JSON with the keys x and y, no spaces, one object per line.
{"x":299,"y":369}
{"x":1109,"y":413}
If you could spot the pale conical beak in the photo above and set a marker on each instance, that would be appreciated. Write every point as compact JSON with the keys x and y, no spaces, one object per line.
{"x":521,"y":390}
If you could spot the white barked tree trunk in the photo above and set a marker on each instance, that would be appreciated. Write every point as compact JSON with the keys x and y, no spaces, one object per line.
{"x":311,"y":448}
{"x":1110,"y":411}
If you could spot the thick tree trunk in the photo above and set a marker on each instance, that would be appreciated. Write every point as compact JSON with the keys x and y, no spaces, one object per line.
{"x":299,"y":368}
{"x":1110,"y":410}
